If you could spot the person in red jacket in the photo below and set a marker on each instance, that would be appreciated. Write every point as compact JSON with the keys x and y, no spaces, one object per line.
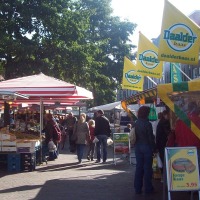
{"x":90,"y":154}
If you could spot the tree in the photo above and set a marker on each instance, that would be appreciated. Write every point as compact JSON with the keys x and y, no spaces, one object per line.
{"x":78,"y":41}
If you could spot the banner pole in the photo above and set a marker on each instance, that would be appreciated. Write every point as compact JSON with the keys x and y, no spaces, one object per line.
{"x":183,"y":72}
{"x":152,"y":80}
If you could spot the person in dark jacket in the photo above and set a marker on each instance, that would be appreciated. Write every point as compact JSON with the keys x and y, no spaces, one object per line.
{"x":162,"y":132}
{"x":102,"y":131}
{"x":144,"y":149}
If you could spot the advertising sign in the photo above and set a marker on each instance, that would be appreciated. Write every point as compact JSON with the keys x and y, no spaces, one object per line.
{"x":182,"y":168}
{"x":130,"y":80}
{"x":121,"y":144}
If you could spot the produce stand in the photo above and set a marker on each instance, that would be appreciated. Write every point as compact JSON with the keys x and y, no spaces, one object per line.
{"x":45,"y":90}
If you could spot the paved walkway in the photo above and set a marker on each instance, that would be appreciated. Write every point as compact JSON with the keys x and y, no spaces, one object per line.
{"x":64,"y":179}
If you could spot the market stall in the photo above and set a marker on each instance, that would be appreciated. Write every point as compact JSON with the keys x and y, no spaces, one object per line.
{"x":42,"y":90}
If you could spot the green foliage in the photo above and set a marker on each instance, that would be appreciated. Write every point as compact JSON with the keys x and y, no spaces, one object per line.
{"x":78,"y":41}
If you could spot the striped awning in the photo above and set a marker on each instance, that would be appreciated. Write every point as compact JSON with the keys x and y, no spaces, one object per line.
{"x":147,"y":94}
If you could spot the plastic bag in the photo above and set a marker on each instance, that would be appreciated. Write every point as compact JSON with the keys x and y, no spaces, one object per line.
{"x":152,"y":114}
{"x":95,"y":140}
{"x":159,"y":162}
{"x":132,"y":136}
{"x":109,"y":141}
{"x":51,"y":146}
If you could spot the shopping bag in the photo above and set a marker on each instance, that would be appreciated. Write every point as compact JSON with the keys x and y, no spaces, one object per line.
{"x":153,"y":114}
{"x":159,"y":162}
{"x":109,"y":141}
{"x":95,"y":140}
{"x":155,"y":164}
{"x":132,"y":136}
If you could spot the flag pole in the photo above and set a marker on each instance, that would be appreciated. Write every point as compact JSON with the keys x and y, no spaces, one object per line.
{"x":183,"y":72}
{"x":152,"y":80}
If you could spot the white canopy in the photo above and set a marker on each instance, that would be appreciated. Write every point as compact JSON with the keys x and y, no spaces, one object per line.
{"x":107,"y":107}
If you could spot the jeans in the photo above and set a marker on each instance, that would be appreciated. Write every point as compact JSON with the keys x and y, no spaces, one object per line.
{"x":91,"y":149}
{"x":144,"y":159}
{"x":102,"y":142}
{"x":80,"y":149}
{"x":72,"y":144}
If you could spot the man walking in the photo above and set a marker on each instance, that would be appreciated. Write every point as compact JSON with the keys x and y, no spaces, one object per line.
{"x":102,"y":131}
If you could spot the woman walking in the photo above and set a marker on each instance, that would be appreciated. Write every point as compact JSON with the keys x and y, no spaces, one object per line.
{"x":80,"y":135}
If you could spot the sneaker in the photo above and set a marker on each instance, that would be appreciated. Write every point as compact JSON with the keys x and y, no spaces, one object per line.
{"x":97,"y":161}
{"x":88,"y":157}
{"x":92,"y":158}
{"x":104,"y":161}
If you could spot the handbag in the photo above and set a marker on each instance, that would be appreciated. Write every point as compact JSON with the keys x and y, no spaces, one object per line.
{"x":152,"y":114}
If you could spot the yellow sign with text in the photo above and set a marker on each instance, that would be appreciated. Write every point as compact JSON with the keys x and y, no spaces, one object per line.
{"x":147,"y":59}
{"x":130,"y":80}
{"x":180,"y":37}
{"x":182,"y":168}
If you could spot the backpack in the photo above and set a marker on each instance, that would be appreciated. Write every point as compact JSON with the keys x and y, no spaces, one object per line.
{"x":56,"y":133}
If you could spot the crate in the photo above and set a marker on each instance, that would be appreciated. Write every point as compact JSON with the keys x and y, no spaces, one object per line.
{"x":3,"y":162}
{"x":14,"y":167}
{"x":28,"y":161}
{"x":28,"y":166}
{"x":27,"y":156}
{"x":13,"y":157}
{"x":14,"y":163}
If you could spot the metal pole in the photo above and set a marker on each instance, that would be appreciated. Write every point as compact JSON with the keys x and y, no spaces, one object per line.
{"x":152,"y":80}
{"x":182,"y":72}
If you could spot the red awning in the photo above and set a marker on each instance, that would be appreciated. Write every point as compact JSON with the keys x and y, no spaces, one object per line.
{"x":48,"y":88}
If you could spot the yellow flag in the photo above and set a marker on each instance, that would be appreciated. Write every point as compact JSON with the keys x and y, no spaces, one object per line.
{"x":147,"y":59}
{"x":180,"y":37}
{"x":130,"y":80}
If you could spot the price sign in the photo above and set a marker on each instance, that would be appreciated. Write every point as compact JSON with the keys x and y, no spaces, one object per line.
{"x":182,"y":168}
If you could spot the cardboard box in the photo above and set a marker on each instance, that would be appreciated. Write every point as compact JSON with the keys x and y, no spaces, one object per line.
{"x":9,"y":149}
{"x":24,"y":144}
{"x":8,"y":143}
{"x":25,"y":150}
{"x":4,"y":136}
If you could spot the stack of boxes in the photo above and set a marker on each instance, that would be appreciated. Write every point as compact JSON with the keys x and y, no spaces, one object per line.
{"x":28,"y":161}
{"x":16,"y":155}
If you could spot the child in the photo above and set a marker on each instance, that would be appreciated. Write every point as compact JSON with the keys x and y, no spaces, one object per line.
{"x":90,"y":154}
{"x":128,"y":128}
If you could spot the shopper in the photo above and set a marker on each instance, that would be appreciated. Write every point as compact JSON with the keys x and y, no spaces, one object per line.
{"x":102,"y":131}
{"x":90,"y":154}
{"x":128,"y":128}
{"x":68,"y":124}
{"x":80,"y":135}
{"x":144,"y":149}
{"x":162,"y":133}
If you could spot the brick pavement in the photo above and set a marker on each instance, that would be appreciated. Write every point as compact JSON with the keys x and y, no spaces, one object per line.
{"x":64,"y":179}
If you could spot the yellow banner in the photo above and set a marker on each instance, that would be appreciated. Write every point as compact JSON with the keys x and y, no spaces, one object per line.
{"x":182,"y":168}
{"x":130,"y":80}
{"x":180,"y":37}
{"x":147,"y":59}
